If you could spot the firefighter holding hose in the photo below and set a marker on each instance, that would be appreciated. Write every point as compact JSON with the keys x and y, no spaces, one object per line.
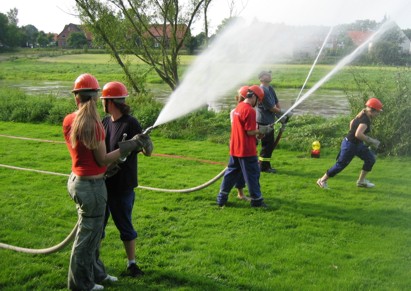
{"x":121,"y":178}
{"x":85,"y":139}
{"x":266,"y":114}
{"x":243,"y":150}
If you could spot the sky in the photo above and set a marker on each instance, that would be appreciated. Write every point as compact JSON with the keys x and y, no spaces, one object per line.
{"x":53,"y":15}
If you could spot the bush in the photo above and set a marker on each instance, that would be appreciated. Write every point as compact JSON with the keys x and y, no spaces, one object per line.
{"x":302,"y":131}
{"x":392,"y":126}
{"x":200,"y":125}
{"x":145,"y":109}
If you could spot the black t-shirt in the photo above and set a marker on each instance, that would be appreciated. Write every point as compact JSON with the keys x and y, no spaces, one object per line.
{"x":363,"y":118}
{"x":126,"y":178}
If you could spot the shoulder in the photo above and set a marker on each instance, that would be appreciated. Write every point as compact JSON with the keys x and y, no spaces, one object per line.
{"x":106,"y":120}
{"x":69,"y":118}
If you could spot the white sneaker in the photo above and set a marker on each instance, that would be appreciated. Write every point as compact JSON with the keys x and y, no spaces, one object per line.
{"x":97,"y":287}
{"x":110,"y":279}
{"x":322,"y":184}
{"x":365,"y":184}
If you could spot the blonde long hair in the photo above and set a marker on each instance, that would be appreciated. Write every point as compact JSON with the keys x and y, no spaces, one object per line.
{"x":87,"y":127}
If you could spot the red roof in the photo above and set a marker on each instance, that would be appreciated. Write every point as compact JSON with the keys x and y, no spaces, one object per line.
{"x":358,"y":37}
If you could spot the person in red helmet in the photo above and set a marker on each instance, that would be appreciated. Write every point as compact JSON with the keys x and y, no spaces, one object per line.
{"x":240,"y":97}
{"x":357,"y":143}
{"x":243,"y":159}
{"x":121,"y":178}
{"x":84,"y":135}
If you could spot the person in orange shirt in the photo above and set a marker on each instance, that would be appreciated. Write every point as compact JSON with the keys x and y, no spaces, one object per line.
{"x":240,"y":97}
{"x":243,"y":150}
{"x":85,"y":139}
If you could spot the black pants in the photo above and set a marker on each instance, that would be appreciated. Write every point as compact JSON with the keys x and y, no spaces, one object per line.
{"x":267,"y":148}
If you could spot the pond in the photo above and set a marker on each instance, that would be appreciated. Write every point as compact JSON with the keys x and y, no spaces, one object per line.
{"x":324,"y":102}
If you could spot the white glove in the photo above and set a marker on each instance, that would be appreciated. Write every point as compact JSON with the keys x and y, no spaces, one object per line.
{"x":265,"y":129}
{"x":374,"y":143}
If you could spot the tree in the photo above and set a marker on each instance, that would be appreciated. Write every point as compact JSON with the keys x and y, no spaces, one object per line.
{"x":407,"y":32}
{"x":30,"y":33}
{"x":43,"y":39}
{"x":3,"y":29}
{"x":364,"y":25}
{"x":152,"y":30}
{"x":77,"y":40}
{"x":12,"y":16}
{"x":10,"y":34}
{"x":206,"y":4}
{"x":387,"y":49}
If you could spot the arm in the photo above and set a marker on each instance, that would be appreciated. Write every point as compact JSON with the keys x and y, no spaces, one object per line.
{"x":276,"y":109}
{"x":253,"y":132}
{"x":102,"y":157}
{"x":359,"y":133}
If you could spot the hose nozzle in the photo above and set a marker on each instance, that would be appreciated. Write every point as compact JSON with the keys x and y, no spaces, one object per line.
{"x":148,"y":129}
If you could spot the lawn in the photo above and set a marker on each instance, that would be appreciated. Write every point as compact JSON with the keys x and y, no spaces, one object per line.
{"x":346,"y":238}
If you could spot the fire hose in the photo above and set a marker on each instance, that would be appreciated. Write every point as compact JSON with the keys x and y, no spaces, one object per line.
{"x":46,"y":251}
{"x":71,"y":236}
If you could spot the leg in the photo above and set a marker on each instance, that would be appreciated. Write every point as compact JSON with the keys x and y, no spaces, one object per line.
{"x":267,"y":148}
{"x":365,"y":154}
{"x":90,"y":197}
{"x":345,"y":156}
{"x":121,"y":207}
{"x":251,"y":173}
{"x":240,"y":184}
{"x":231,"y":176}
{"x":130,"y":247}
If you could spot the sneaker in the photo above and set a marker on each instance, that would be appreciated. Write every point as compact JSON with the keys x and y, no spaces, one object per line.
{"x":322,"y":184}
{"x":110,"y":279}
{"x":134,"y":271}
{"x":365,"y":184}
{"x":97,"y":287}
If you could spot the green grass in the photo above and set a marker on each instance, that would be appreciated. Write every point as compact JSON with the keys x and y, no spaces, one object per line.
{"x":67,"y":67}
{"x":347,"y":238}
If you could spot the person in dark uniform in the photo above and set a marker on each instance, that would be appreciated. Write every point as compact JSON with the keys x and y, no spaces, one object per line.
{"x":121,"y":177}
{"x":354,"y":145}
{"x":266,"y":113}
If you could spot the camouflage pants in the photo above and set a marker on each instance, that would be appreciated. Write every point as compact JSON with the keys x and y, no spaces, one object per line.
{"x":85,"y":267}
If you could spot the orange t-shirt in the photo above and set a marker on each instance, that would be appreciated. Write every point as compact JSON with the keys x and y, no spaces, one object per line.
{"x":82,"y":158}
{"x":244,"y":119}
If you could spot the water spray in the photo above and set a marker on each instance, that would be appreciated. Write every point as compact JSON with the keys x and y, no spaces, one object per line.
{"x":315,"y":62}
{"x":349,"y":58}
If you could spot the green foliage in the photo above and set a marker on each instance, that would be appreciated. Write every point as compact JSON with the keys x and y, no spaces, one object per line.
{"x":18,"y":107}
{"x":347,"y":238}
{"x":77,"y":40}
{"x":145,"y":109}
{"x":392,"y":126}
{"x":301,"y":131}
{"x":200,"y":125}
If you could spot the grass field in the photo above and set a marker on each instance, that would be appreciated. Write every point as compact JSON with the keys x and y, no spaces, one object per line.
{"x":52,"y":67}
{"x":347,"y":238}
